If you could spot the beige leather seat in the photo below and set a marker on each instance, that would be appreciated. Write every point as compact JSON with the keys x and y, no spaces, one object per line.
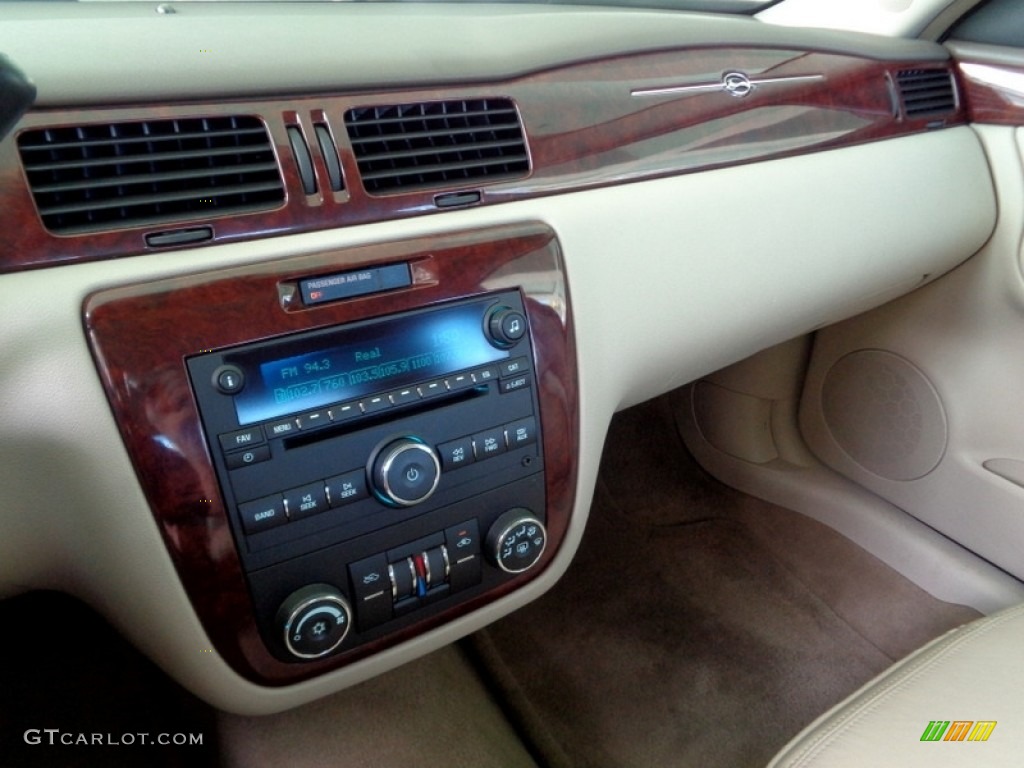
{"x":971,"y":678}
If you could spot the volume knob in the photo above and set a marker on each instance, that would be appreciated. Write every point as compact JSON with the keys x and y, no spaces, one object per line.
{"x":406,"y":472}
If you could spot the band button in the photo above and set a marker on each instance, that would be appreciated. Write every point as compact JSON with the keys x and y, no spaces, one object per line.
{"x":262,"y":514}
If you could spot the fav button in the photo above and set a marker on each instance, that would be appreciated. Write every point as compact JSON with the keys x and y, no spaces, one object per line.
{"x":241,"y":438}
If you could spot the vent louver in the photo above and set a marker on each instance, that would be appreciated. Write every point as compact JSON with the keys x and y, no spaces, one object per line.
{"x":115,"y":175}
{"x":436,"y":144}
{"x":926,"y":92}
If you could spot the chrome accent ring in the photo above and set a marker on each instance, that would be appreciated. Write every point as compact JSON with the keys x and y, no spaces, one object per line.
{"x":389,"y":459}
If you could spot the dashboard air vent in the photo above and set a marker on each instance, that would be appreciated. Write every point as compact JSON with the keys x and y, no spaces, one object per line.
{"x":435,"y":144}
{"x":926,"y":92}
{"x":108,"y":176}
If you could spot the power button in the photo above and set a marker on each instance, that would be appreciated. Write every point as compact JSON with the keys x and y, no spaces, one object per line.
{"x":406,"y":472}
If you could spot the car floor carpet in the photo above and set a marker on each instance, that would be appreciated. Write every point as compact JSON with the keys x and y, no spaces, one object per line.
{"x":696,"y":626}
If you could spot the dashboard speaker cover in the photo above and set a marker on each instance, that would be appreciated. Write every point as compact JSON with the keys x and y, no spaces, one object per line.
{"x":885,"y":414}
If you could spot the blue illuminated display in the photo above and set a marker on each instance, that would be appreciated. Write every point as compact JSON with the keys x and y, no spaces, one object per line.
{"x":364,"y":360}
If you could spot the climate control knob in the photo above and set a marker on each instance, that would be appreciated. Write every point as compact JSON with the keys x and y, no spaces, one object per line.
{"x":314,"y":620}
{"x":516,"y":541}
{"x":405,"y":472}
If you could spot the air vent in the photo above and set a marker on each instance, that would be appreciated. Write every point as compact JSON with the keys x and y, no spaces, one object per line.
{"x":98,"y":177}
{"x":436,"y":144}
{"x":926,"y":92}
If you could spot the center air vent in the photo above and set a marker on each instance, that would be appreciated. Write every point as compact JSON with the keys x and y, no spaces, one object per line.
{"x":926,"y":92}
{"x":115,"y":175}
{"x":435,"y":144}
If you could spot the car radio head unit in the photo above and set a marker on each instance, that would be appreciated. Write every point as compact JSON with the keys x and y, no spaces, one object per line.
{"x":346,"y":449}
{"x":377,"y":471}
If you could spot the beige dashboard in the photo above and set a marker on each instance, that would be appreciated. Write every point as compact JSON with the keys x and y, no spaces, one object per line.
{"x":791,"y":217}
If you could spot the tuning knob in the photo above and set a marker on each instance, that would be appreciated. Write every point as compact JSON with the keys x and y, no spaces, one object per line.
{"x":505,"y":326}
{"x":314,"y":620}
{"x":406,"y":472}
{"x":516,"y":541}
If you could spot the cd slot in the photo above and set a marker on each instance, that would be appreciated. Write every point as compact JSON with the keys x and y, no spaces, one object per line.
{"x":395,"y":414}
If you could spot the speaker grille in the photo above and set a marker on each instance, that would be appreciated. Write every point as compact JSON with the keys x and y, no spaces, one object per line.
{"x":885,"y":414}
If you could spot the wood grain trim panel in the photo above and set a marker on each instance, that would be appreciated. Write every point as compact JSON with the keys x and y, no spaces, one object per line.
{"x":994,"y":92}
{"x":584,"y":128}
{"x":143,"y":371}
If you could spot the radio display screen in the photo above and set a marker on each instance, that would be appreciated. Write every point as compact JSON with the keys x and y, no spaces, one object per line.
{"x":363,"y":360}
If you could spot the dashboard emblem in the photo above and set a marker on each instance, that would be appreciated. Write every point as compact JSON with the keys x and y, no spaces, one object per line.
{"x":737,"y":84}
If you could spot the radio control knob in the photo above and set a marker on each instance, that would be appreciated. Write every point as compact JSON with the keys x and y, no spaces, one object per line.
{"x":314,"y":621}
{"x":516,"y":541}
{"x":406,"y":472}
{"x":505,"y":326}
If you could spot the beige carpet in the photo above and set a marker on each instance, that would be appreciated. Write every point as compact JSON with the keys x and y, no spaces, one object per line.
{"x":697,"y":626}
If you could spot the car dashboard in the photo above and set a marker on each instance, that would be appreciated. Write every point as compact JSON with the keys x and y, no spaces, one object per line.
{"x":315,"y":316}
